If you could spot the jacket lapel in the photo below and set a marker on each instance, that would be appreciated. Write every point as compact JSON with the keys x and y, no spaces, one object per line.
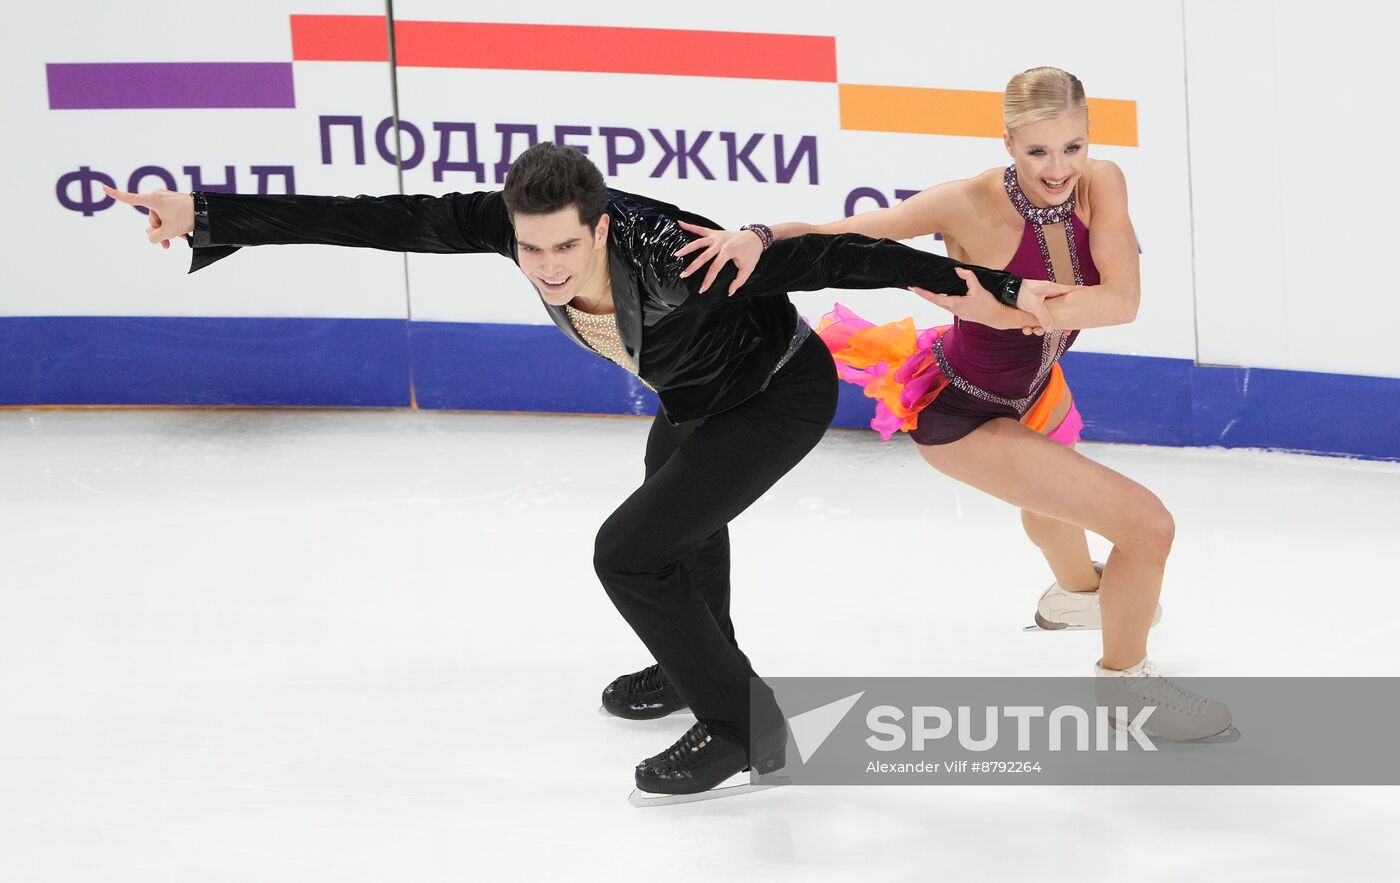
{"x":627,"y":301}
{"x":561,"y":319}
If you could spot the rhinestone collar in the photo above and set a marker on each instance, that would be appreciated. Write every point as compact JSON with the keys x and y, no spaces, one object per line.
{"x":1055,"y":214}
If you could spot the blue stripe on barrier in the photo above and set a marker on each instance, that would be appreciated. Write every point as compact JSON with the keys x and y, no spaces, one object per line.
{"x":366,"y":362}
{"x":109,"y":360}
{"x":1129,"y":399}
{"x":479,"y":366}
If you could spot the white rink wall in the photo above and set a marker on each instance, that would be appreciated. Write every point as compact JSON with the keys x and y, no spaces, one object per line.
{"x":1248,"y":132}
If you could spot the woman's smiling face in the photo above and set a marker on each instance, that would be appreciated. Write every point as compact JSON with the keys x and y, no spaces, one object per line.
{"x":1050,"y":155}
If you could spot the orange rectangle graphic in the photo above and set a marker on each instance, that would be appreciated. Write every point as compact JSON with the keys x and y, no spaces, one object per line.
{"x":965,"y":112}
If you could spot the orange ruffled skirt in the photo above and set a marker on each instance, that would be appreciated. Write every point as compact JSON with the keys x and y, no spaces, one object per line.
{"x":894,"y":364}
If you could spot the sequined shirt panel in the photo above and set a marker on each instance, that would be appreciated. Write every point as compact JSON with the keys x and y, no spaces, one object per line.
{"x":600,"y":333}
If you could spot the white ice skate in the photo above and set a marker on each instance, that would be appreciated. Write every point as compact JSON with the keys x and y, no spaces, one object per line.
{"x":1061,"y":609}
{"x":1179,"y":715}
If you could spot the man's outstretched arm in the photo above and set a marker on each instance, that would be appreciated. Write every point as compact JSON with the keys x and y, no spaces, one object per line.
{"x":850,"y":260}
{"x":218,"y":224}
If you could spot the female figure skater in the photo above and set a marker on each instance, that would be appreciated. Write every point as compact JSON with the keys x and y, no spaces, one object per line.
{"x":985,"y":399}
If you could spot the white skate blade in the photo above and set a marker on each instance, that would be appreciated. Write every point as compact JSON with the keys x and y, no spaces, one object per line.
{"x":640,"y":798}
{"x":605,"y":713}
{"x":1229,"y":734}
{"x":1044,"y":625}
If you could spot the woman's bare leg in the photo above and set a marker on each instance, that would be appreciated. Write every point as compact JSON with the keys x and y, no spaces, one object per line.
{"x":1022,"y":467}
{"x":1066,"y":550}
{"x":1064,"y":545}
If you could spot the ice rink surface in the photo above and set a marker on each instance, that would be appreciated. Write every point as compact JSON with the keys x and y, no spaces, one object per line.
{"x":343,"y":646}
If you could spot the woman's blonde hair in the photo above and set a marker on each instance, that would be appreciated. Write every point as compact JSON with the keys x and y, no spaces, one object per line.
{"x":1039,"y":94}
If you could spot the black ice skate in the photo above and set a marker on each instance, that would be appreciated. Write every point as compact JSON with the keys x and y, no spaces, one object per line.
{"x":642,"y":695}
{"x":689,"y":770}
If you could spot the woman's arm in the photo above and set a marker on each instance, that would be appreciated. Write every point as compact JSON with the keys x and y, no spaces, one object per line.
{"x":850,"y":260}
{"x":847,"y":260}
{"x":928,"y":211}
{"x":1114,"y":301}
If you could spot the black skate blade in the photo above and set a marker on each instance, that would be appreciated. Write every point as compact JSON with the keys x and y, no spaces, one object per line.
{"x":640,"y":798}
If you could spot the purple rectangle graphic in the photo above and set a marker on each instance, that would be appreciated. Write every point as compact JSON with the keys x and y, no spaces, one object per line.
{"x":202,"y":84}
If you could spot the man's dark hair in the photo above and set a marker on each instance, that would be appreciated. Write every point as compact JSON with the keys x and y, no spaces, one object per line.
{"x":549,"y":177}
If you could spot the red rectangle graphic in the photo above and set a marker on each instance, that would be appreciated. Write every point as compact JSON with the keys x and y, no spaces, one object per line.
{"x":567,"y":48}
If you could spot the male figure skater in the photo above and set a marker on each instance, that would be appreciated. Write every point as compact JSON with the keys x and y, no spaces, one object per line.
{"x":746,"y":390}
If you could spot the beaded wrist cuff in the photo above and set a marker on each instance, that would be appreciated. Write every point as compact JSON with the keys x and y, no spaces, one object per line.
{"x":763,"y":232}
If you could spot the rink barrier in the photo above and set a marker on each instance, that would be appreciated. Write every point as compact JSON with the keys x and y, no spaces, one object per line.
{"x":481,"y":366}
{"x":121,"y":360}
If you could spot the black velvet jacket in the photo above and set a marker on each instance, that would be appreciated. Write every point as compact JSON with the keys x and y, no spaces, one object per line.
{"x":703,"y":353}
